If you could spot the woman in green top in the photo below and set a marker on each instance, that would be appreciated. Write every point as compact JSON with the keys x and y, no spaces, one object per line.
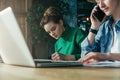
{"x":68,"y":44}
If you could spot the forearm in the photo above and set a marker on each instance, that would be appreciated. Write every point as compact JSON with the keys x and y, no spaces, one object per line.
{"x":86,"y":47}
{"x":109,"y":56}
{"x":69,"y":57}
{"x":73,"y":57}
{"x":114,"y":56}
{"x":91,"y":35}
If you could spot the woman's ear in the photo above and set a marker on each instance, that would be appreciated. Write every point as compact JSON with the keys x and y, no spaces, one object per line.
{"x":61,"y":22}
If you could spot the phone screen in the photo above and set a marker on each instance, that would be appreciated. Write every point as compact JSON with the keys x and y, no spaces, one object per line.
{"x":99,"y":14}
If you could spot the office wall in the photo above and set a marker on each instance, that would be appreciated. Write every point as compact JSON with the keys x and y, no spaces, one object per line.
{"x":71,"y":18}
{"x":20,"y":9}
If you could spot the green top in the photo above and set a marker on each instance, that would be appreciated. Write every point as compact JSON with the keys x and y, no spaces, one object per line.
{"x":70,"y":42}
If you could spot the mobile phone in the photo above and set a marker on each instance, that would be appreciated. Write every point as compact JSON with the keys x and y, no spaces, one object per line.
{"x":99,"y":14}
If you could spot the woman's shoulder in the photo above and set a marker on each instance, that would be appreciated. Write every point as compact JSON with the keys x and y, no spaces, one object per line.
{"x":74,"y":29}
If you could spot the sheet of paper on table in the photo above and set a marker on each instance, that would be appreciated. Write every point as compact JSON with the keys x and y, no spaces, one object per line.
{"x":113,"y":64}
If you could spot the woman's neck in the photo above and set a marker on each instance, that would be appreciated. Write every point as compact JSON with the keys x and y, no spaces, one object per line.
{"x":116,"y":14}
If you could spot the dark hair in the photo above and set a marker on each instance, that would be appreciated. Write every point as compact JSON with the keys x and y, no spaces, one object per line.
{"x":51,"y":14}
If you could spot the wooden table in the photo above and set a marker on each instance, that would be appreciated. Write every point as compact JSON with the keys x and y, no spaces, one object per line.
{"x":9,"y":72}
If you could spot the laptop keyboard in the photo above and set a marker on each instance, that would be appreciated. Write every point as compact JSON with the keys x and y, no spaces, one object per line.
{"x":60,"y":63}
{"x":51,"y":61}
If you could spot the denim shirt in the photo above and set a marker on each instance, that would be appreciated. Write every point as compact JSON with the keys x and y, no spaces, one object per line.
{"x":103,"y":40}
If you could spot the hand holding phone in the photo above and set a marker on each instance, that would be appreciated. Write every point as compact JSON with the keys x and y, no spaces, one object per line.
{"x":99,"y":14}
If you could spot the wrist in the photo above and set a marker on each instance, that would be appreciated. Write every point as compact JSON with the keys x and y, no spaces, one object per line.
{"x":94,"y":31}
{"x":108,"y":56}
{"x":70,"y":57}
{"x":104,"y":56}
{"x":96,"y":27}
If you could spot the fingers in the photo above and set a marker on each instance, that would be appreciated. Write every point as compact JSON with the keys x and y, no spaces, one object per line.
{"x":94,"y":10}
{"x":55,"y":56}
{"x":88,"y":61}
{"x":91,"y":61}
{"x":95,"y":23}
{"x":89,"y":58}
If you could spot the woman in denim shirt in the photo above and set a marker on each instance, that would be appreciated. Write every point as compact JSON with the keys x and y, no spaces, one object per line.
{"x":103,"y":44}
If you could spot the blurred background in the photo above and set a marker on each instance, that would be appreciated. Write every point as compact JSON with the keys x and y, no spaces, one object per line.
{"x":76,"y":13}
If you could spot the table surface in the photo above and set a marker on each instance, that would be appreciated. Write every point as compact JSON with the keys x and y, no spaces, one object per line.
{"x":10,"y":72}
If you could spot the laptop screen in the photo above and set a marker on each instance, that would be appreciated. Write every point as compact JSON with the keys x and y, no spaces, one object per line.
{"x":13,"y":48}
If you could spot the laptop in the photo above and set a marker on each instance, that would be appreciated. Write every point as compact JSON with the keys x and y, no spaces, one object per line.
{"x":13,"y":47}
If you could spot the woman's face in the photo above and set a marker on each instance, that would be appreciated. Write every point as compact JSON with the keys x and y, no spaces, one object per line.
{"x":108,"y":6}
{"x":54,"y":29}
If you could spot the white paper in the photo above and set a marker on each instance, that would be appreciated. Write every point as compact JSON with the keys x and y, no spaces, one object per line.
{"x":104,"y":64}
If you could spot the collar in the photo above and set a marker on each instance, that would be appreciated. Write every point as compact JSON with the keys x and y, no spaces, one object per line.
{"x":118,"y":23}
{"x":66,"y":32}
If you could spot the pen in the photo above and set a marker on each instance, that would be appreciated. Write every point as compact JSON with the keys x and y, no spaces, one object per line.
{"x":56,"y":51}
{"x":59,"y":49}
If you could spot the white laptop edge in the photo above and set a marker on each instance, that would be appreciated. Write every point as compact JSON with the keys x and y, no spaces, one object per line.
{"x":13,"y":48}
